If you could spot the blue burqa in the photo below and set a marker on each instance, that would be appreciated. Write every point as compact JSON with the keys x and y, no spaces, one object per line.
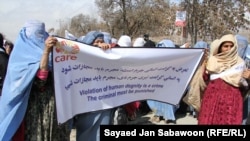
{"x":242,"y":43}
{"x":201,"y":44}
{"x":167,"y":111}
{"x":88,"y":124}
{"x":22,"y":68}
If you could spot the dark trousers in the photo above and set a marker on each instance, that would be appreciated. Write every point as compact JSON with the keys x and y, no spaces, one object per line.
{"x":246,"y":110}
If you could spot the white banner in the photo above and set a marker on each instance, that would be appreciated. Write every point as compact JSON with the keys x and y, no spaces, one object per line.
{"x":88,"y":79}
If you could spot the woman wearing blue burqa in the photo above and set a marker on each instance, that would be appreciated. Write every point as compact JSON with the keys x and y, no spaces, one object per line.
{"x":163,"y":111}
{"x":244,"y":52}
{"x":27,"y":104}
{"x":88,"y":124}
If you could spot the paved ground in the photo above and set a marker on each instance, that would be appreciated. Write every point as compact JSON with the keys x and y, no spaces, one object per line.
{"x":182,"y":119}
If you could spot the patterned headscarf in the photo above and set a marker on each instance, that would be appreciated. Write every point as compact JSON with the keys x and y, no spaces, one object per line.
{"x":219,"y":62}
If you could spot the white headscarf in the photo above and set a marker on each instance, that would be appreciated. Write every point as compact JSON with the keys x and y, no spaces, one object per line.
{"x":139,"y":42}
{"x":114,"y":40}
{"x":124,"y":41}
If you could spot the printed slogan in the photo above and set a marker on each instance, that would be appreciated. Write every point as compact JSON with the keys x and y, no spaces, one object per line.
{"x":88,"y":78}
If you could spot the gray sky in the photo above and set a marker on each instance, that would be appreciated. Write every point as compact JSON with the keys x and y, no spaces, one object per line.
{"x":14,"y":13}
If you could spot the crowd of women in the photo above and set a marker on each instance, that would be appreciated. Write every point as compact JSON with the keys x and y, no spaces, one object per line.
{"x":217,"y":92}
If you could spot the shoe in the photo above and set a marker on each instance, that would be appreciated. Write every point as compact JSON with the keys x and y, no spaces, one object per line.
{"x":155,"y":119}
{"x":170,"y":121}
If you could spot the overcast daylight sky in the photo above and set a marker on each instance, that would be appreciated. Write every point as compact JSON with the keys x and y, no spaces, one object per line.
{"x":14,"y":13}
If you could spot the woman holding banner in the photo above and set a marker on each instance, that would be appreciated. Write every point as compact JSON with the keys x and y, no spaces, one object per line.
{"x":88,"y":124}
{"x":27,"y":104}
{"x":163,"y":111}
{"x":222,"y":102}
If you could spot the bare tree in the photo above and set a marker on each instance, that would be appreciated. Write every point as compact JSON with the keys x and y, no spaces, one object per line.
{"x":208,"y":19}
{"x":137,"y":17}
{"x":81,"y":24}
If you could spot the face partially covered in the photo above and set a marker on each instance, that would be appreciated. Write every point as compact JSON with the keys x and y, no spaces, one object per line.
{"x":98,"y":41}
{"x":226,"y":46}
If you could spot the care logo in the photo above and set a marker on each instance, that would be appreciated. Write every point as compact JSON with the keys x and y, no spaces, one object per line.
{"x":67,"y":47}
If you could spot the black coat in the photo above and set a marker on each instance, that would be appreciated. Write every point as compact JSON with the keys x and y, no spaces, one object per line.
{"x":4,"y":58}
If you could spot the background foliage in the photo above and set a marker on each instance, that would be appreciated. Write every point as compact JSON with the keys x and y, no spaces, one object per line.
{"x":206,"y":19}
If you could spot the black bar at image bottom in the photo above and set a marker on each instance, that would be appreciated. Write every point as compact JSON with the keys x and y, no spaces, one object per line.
{"x":204,"y":132}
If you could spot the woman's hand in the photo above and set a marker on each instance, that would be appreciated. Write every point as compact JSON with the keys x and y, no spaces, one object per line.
{"x":104,"y":46}
{"x":49,"y":43}
{"x":246,"y":74}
